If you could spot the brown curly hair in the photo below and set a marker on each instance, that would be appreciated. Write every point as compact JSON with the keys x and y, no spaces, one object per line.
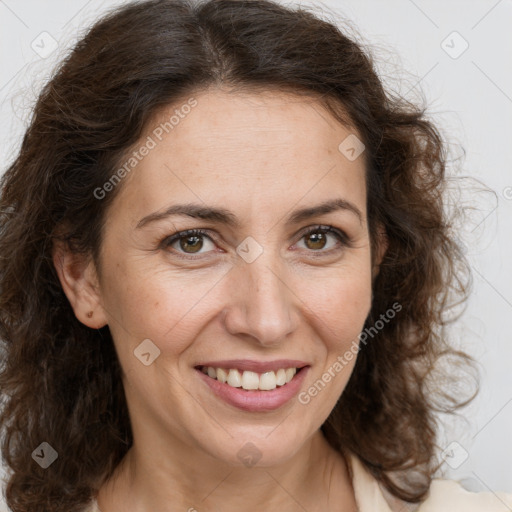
{"x":61,"y":381}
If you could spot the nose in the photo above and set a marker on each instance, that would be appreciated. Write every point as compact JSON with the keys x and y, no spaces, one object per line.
{"x":262,"y":303}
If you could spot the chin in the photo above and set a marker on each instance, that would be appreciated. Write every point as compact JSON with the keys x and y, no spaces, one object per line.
{"x":266,"y":446}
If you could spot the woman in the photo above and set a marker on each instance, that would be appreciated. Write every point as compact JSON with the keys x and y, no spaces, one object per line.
{"x":225,"y":268}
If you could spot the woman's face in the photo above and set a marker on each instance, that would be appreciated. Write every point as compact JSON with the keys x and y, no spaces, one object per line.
{"x":261,"y":289}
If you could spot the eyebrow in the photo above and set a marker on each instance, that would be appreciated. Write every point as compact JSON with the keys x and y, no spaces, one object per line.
{"x":223,"y":216}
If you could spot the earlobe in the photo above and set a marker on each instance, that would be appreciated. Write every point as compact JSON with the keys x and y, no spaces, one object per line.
{"x":79,"y":281}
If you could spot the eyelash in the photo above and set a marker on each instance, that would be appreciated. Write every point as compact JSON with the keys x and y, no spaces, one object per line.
{"x":169,"y":240}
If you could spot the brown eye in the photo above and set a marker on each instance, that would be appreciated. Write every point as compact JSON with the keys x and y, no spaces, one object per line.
{"x":316,"y":241}
{"x":191,"y":244}
{"x":323,"y":239}
{"x":188,"y":242}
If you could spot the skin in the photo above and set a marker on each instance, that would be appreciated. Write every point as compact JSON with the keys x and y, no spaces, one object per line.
{"x":262,"y":156}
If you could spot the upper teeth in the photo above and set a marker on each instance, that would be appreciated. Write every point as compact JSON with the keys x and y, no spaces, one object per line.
{"x":251,"y":380}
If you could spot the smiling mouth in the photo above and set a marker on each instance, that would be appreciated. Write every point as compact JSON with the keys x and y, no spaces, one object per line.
{"x":251,"y":381}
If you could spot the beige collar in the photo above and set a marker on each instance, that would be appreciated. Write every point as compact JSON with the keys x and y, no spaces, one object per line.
{"x":370,"y":495}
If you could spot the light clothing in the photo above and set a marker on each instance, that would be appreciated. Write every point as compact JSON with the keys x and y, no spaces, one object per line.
{"x":444,"y":496}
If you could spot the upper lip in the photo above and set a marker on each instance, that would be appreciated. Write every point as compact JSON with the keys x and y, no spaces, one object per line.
{"x":251,"y":365}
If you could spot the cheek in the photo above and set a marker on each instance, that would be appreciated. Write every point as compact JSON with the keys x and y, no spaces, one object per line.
{"x":339,"y":311}
{"x":148,"y":302}
{"x":340,"y":304}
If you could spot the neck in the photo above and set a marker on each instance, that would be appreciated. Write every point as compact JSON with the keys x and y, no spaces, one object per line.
{"x":149,"y":478}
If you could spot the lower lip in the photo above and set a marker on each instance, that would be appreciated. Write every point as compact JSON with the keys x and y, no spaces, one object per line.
{"x":256,"y":401}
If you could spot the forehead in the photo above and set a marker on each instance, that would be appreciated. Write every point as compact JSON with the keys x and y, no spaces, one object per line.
{"x":245,"y":149}
{"x":265,"y":122}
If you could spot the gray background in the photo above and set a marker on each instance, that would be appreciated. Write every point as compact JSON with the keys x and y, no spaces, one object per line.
{"x":469,"y":94}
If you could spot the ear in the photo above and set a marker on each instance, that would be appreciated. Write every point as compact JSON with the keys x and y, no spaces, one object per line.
{"x":382,"y":243}
{"x":79,"y":281}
